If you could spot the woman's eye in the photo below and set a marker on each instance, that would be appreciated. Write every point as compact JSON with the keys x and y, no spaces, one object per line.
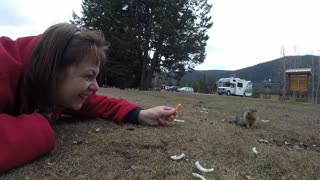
{"x":88,"y":76}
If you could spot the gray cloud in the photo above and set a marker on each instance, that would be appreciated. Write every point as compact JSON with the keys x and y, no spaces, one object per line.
{"x":10,"y":14}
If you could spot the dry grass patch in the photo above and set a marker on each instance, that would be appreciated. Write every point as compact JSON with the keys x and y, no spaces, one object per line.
{"x":127,"y":151}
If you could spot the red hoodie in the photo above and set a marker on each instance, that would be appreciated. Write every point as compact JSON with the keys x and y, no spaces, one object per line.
{"x":27,"y":136}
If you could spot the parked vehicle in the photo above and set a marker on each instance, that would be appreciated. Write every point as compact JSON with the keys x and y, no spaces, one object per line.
{"x":186,"y":90}
{"x":173,"y":88}
{"x":234,"y":86}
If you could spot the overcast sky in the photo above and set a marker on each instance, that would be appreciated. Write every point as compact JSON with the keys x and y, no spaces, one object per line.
{"x":244,"y":33}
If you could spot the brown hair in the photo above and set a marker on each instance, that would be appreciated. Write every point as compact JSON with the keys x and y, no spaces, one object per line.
{"x":61,"y":46}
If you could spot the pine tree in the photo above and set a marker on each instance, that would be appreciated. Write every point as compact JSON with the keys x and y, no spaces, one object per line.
{"x":149,"y":36}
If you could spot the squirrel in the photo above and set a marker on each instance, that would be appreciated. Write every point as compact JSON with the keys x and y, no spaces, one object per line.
{"x":247,"y":118}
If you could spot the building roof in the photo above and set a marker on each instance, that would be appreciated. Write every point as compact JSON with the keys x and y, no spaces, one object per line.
{"x":299,"y":71}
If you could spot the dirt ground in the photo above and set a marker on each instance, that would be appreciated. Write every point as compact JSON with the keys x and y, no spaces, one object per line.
{"x":287,"y":141}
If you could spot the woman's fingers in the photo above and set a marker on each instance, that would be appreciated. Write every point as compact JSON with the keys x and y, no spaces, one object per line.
{"x":162,"y":121}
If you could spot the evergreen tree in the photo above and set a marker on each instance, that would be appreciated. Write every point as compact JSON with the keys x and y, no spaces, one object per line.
{"x":149,"y":36}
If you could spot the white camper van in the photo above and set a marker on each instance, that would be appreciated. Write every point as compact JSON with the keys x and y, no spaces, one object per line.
{"x":234,"y":86}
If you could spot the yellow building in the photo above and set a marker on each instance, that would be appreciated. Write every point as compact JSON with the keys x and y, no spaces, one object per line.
{"x":298,"y":83}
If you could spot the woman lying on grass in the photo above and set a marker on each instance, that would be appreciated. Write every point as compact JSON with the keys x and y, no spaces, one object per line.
{"x":42,"y":77}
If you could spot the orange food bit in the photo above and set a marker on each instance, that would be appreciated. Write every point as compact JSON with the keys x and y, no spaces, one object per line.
{"x":178,"y":106}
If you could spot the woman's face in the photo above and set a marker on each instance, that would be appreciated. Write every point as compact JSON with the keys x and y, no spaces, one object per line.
{"x":76,"y":84}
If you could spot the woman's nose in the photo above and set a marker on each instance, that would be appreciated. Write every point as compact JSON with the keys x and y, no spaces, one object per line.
{"x":94,"y":86}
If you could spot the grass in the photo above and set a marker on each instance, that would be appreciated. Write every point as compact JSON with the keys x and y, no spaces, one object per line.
{"x":140,"y":152}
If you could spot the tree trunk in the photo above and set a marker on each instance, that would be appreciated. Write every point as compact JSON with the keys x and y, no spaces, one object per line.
{"x":318,"y":84}
{"x":144,"y":72}
{"x":145,"y":64}
{"x":154,"y":62}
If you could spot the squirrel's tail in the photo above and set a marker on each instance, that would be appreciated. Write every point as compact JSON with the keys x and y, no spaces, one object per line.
{"x":230,"y":120}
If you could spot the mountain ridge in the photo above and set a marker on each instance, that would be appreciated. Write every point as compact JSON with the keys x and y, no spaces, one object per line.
{"x":273,"y":69}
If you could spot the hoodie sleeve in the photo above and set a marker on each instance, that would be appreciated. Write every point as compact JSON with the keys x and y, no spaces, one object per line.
{"x":105,"y":107}
{"x":27,"y":136}
{"x":23,"y":138}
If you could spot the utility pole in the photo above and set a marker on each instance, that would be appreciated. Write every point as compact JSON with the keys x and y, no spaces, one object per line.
{"x":295,"y":56}
{"x":283,"y":54}
{"x":318,"y":84}
{"x":312,"y":71}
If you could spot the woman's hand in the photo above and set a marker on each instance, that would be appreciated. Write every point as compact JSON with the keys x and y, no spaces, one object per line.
{"x":160,"y":115}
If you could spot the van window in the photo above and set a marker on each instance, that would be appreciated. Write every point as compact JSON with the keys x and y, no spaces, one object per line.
{"x":239,"y":84}
{"x":227,"y":84}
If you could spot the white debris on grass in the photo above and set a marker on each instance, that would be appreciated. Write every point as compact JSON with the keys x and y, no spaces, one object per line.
{"x":199,"y":167}
{"x":178,"y":120}
{"x":206,"y":112}
{"x":250,"y":178}
{"x":198,"y":176}
{"x":262,"y":120}
{"x":255,"y":150}
{"x":51,"y":163}
{"x":175,"y":157}
{"x":263,"y":141}
{"x":204,"y":109}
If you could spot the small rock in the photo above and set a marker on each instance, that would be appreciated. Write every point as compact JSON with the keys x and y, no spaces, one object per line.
{"x":297,"y":147}
{"x":80,"y":142}
{"x":204,"y":109}
{"x":77,"y":142}
{"x":130,"y":129}
{"x":286,"y":143}
{"x":249,"y":178}
{"x":97,"y":130}
{"x":51,"y":163}
{"x":134,"y":167}
{"x":277,"y":142}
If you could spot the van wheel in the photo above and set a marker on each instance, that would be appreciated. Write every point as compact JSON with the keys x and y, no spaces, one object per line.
{"x":228,"y":93}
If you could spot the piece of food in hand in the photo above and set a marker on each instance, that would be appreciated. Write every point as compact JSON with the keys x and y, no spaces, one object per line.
{"x":178,"y":106}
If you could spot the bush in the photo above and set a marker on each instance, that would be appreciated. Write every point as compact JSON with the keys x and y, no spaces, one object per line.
{"x":255,"y":93}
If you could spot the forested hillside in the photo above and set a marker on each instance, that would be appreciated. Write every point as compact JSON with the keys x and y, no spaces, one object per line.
{"x":258,"y":73}
{"x":203,"y":81}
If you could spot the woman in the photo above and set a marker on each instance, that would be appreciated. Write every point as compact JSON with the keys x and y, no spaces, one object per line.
{"x":44,"y":76}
